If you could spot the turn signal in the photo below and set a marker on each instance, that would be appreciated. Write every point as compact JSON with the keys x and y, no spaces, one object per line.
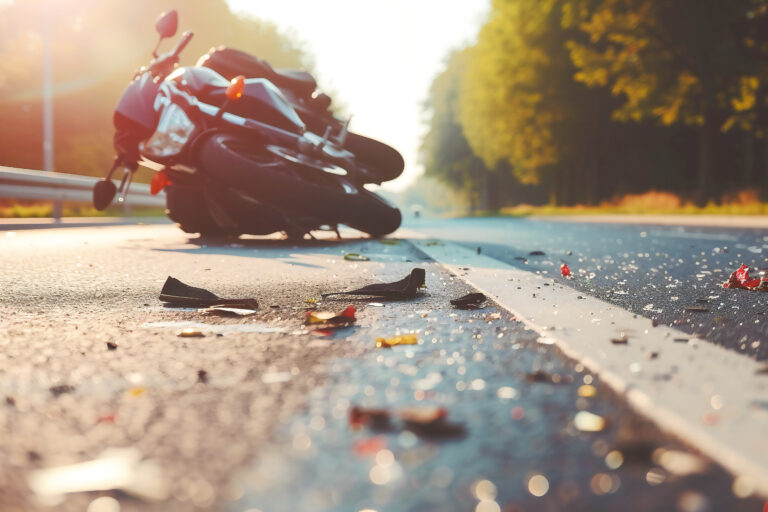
{"x":159,"y":181}
{"x":235,"y":89}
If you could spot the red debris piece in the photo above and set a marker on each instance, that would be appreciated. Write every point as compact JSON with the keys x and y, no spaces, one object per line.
{"x":107,"y":418}
{"x":740,"y":279}
{"x":329,"y":319}
{"x":159,"y":181}
{"x":565,"y":270}
{"x":368,"y":447}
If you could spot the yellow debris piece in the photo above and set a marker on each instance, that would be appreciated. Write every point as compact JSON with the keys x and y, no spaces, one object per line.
{"x":405,"y":339}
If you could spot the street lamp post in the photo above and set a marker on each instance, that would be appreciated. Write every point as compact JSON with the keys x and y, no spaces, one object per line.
{"x":48,"y":100}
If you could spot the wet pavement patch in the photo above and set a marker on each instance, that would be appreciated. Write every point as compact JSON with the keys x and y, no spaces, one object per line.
{"x":534,"y":431}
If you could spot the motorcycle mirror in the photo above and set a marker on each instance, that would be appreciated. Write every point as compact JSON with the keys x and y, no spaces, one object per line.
{"x":103,"y":193}
{"x":236,"y":87}
{"x":167,"y":24}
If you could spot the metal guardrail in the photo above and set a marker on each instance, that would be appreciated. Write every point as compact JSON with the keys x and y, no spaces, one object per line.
{"x":56,"y":186}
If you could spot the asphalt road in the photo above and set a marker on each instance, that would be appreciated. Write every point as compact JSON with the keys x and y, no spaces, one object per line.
{"x":255,"y":414}
{"x":654,"y":271}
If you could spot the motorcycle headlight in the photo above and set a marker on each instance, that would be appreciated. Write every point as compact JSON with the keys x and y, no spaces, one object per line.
{"x":173,"y":131}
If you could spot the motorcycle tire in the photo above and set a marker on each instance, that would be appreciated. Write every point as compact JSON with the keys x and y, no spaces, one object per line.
{"x":304,"y":193}
{"x":184,"y":206}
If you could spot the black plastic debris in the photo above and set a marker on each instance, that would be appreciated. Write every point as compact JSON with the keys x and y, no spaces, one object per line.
{"x":469,"y":301}
{"x":406,"y":288}
{"x":537,"y":253}
{"x":61,"y":389}
{"x":177,"y":294}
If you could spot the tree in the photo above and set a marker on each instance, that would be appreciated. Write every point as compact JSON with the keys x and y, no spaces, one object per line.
{"x":445,"y":152}
{"x":676,"y":61}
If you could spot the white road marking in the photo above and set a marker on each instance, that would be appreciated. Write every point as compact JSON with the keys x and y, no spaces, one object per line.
{"x":701,"y":393}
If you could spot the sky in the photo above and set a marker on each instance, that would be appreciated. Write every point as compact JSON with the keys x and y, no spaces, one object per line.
{"x":378,"y":57}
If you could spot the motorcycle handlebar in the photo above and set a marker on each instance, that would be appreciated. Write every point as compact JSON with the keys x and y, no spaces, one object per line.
{"x":185,"y":39}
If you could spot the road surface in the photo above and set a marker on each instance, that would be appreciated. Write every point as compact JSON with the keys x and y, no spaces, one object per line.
{"x":255,"y":414}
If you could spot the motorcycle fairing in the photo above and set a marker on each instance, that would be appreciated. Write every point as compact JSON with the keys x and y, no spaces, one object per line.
{"x":135,"y":117}
{"x":137,"y":103}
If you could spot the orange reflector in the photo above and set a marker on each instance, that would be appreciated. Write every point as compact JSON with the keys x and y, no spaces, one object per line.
{"x":235,"y":89}
{"x":159,"y":181}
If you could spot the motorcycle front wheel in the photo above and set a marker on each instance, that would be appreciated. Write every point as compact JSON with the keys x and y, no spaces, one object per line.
{"x":300,"y":192}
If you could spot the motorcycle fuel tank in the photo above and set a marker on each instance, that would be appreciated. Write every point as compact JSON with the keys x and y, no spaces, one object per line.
{"x":261,"y":99}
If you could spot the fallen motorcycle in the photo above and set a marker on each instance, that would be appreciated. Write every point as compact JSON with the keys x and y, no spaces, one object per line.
{"x":240,"y":157}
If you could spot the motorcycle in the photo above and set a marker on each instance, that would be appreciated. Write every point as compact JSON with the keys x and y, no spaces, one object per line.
{"x":238,"y":157}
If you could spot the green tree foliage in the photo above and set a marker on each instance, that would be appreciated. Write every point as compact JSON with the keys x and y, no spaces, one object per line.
{"x":682,"y":61}
{"x":97,"y":47}
{"x":592,"y":98}
{"x":445,"y":152}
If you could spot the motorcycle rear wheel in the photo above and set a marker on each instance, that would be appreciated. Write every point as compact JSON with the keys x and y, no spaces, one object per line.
{"x":309,"y":194}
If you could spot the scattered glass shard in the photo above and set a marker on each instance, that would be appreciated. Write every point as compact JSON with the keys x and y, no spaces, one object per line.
{"x":116,"y":469}
{"x":190,"y":332}
{"x":353,"y":256}
{"x":589,"y":422}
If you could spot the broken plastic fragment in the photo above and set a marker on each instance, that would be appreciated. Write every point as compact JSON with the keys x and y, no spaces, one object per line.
{"x":565,"y":270}
{"x":740,"y":279}
{"x":405,"y":339}
{"x":329,"y":319}
{"x":61,"y":389}
{"x":175,"y":293}
{"x":353,"y":256}
{"x":116,"y":469}
{"x":430,"y":422}
{"x":377,"y":419}
{"x":588,"y":422}
{"x":228,"y":311}
{"x":469,"y":301}
{"x":423,"y":414}
{"x":406,"y":288}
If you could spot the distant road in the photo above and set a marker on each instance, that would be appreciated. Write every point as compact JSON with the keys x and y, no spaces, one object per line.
{"x":652,"y":270}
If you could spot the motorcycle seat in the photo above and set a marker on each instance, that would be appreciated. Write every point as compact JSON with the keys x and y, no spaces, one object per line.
{"x":230,"y":63}
{"x":294,"y":79}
